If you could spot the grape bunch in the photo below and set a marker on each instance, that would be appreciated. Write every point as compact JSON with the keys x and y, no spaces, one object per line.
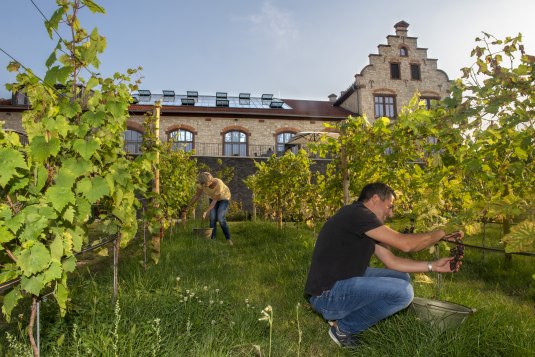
{"x":456,"y":252}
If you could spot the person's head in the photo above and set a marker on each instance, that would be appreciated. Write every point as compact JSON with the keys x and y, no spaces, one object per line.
{"x":204,"y":178}
{"x":378,"y":198}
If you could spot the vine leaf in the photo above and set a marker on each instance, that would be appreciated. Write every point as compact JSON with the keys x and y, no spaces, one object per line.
{"x":42,"y":150}
{"x":10,"y":301}
{"x":86,"y":149}
{"x":521,"y":238}
{"x":10,"y":161}
{"x":33,"y":284}
{"x":56,"y":248}
{"x":34,"y":260}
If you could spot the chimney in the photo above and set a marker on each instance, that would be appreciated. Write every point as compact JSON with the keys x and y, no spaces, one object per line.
{"x":401,"y":28}
{"x":332,"y":98}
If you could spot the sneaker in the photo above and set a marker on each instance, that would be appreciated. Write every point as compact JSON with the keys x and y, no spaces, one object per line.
{"x":230,"y":242}
{"x":342,"y":339}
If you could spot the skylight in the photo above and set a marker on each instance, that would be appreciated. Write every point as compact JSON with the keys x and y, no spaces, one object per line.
{"x":168,"y":95}
{"x":221,"y":103}
{"x":187,"y":101}
{"x":276,"y":103}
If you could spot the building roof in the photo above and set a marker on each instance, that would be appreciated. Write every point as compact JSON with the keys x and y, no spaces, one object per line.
{"x":291,"y":109}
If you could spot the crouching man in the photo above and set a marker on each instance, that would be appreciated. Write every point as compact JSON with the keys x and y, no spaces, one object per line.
{"x":343,"y":288}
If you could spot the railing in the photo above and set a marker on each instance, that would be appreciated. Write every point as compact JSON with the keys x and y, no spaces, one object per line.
{"x":224,"y":150}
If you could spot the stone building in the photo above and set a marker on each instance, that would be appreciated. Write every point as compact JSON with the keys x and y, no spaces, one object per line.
{"x":394,"y":75}
{"x":238,"y":127}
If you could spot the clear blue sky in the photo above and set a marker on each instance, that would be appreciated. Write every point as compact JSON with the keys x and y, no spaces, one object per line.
{"x":295,"y":49}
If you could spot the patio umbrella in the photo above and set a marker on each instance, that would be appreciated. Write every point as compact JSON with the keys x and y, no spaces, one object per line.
{"x":305,"y":137}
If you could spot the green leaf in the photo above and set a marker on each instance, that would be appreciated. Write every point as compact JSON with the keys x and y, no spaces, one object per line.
{"x":62,"y":295}
{"x":52,"y":23}
{"x":7,"y":275}
{"x":69,"y":264}
{"x":51,"y":59}
{"x":94,"y":7}
{"x":56,"y":248}
{"x":116,"y":108}
{"x":54,"y":272}
{"x":70,"y":109}
{"x":40,"y":177}
{"x":63,"y":73}
{"x":79,"y":167}
{"x":91,"y":83}
{"x":41,"y":150}
{"x":58,"y":125}
{"x":95,"y":120}
{"x":5,"y":235}
{"x":33,"y":284}
{"x":34,"y":259}
{"x":10,"y":301}
{"x":10,"y":161}
{"x":86,"y":148}
{"x":99,"y":189}
{"x":83,"y":208}
{"x":69,"y":214}
{"x":51,"y":76}
{"x":60,"y":196}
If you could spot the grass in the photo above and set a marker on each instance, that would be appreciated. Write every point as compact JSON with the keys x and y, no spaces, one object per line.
{"x":207,"y":298}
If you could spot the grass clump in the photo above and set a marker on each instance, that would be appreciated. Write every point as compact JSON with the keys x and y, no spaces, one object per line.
{"x":207,"y":298}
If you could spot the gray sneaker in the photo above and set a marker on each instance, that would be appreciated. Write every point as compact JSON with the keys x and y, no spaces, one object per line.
{"x":342,"y":339}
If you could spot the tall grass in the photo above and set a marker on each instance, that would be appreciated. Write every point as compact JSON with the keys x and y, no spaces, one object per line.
{"x":207,"y":298}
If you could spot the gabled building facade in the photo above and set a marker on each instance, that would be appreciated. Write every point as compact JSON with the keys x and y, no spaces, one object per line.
{"x":393,"y":76}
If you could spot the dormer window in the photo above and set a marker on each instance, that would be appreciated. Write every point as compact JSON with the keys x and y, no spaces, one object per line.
{"x":403,"y":52}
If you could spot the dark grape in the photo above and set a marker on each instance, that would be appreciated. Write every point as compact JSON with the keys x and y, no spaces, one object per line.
{"x":456,"y":252}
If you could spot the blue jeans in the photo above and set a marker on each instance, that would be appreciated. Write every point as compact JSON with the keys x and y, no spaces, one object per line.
{"x":359,"y":303}
{"x":218,"y":214}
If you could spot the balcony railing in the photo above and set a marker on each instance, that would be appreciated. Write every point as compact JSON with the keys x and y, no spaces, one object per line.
{"x":224,"y":150}
{"x":210,"y":149}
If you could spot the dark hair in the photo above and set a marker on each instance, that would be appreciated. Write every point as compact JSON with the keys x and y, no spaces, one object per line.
{"x":377,"y":188}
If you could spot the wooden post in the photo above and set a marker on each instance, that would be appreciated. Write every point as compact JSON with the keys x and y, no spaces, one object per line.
{"x":156,"y":237}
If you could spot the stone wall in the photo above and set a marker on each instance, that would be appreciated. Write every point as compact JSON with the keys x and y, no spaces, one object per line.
{"x":244,"y":167}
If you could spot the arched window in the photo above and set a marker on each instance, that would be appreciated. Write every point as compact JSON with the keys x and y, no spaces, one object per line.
{"x":132,"y":141}
{"x":403,"y":52}
{"x":282,"y":139}
{"x":181,"y":140}
{"x":235,"y":144}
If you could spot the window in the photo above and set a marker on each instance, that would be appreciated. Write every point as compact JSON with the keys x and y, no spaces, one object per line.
{"x":415,"y":72}
{"x":429,"y":102}
{"x":385,"y":106}
{"x":403,"y":52}
{"x":132,"y":141}
{"x":394,"y":71}
{"x":282,"y":139}
{"x":181,"y":140}
{"x":235,"y":144}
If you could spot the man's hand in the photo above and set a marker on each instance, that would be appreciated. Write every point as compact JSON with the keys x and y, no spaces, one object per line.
{"x":453,"y":237}
{"x":443,"y":265}
{"x":205,"y":213}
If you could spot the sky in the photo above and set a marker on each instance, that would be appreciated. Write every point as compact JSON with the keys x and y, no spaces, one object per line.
{"x":294,"y":49}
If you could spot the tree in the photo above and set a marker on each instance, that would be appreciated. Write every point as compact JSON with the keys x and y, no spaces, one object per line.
{"x":74,"y":164}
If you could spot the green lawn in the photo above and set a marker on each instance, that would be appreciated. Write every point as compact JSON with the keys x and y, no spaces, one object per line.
{"x":205,"y":298}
